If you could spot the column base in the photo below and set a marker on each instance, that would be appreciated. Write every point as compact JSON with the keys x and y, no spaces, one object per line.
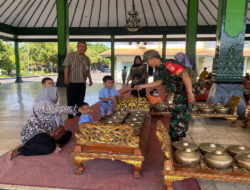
{"x":222,"y":92}
{"x":19,"y":80}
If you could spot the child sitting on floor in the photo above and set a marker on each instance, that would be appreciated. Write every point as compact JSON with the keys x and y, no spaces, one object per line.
{"x":153,"y":97}
{"x":85,"y":116}
{"x":107,"y":96}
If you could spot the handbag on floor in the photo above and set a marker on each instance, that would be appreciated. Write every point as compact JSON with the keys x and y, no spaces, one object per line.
{"x":57,"y":133}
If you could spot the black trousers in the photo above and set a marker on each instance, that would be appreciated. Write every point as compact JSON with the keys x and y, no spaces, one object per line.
{"x":76,"y":93}
{"x":142,"y":93}
{"x":42,"y":144}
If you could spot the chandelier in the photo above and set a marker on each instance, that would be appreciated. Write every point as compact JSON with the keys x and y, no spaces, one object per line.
{"x":133,"y":23}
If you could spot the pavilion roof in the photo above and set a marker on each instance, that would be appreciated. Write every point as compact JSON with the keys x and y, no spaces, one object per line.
{"x":105,"y":17}
{"x":104,"y":13}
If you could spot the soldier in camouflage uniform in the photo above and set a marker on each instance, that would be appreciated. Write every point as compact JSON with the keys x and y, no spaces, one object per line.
{"x":174,"y":76}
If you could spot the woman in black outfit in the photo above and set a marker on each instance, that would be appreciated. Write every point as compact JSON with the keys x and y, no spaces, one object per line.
{"x":139,"y":75}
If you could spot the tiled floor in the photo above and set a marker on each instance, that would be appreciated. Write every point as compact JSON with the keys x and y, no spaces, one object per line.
{"x":16,"y":102}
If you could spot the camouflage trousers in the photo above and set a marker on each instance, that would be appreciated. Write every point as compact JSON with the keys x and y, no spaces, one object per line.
{"x":180,"y":115}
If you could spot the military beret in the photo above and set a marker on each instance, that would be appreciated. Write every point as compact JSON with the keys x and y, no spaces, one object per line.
{"x":151,"y":54}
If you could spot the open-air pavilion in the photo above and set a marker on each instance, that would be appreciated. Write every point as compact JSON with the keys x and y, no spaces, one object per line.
{"x":160,"y":20}
{"x":225,"y":21}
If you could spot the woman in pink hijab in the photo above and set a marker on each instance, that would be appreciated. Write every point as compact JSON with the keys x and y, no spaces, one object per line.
{"x":183,"y":58}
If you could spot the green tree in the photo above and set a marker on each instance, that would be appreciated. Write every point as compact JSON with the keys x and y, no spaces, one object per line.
{"x":40,"y":54}
{"x":7,"y":58}
{"x":93,"y":51}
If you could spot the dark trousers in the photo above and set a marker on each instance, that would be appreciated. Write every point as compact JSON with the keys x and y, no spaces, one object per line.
{"x":42,"y":144}
{"x":76,"y":93}
{"x":142,"y":93}
{"x":123,"y":79}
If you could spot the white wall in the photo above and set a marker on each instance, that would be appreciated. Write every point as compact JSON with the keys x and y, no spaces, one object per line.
{"x":208,"y":63}
{"x":119,"y":66}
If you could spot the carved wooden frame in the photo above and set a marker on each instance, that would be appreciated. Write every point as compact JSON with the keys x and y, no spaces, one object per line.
{"x":232,"y":104}
{"x":247,"y":116}
{"x":173,"y":172}
{"x":129,"y":149}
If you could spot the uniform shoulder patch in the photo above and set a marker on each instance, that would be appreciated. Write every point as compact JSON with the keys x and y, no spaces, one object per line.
{"x":170,"y":67}
{"x":174,"y":68}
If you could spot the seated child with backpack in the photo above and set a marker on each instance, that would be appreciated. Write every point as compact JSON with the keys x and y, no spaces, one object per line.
{"x":153,"y":97}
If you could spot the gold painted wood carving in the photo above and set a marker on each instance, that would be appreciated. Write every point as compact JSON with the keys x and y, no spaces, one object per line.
{"x":133,"y":103}
{"x":112,"y":142}
{"x":247,"y":117}
{"x":108,"y":134}
{"x":173,"y":171}
{"x":233,"y":103}
{"x":164,"y":139}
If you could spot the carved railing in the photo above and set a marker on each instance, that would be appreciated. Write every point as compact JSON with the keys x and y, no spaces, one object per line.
{"x":233,"y":103}
{"x":108,"y":134}
{"x":247,"y":117}
{"x":164,"y":138}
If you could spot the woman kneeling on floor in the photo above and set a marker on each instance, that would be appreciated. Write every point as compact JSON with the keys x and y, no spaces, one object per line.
{"x":34,"y":135}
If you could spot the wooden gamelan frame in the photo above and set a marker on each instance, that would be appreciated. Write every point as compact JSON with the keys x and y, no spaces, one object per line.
{"x":114,"y":142}
{"x":232,"y":103}
{"x":173,"y":172}
{"x":247,"y":117}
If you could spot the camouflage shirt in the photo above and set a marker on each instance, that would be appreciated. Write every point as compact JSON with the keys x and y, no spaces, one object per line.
{"x":170,"y":73}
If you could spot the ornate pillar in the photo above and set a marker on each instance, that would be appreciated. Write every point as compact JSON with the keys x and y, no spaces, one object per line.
{"x":62,"y":37}
{"x":191,"y":31}
{"x":228,"y":63}
{"x":230,"y":34}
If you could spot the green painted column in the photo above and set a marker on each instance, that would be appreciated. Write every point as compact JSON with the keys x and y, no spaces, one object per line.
{"x":62,"y":37}
{"x":228,"y":64}
{"x":17,"y":60}
{"x":164,"y":43}
{"x":191,"y":30}
{"x":113,"y":56}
